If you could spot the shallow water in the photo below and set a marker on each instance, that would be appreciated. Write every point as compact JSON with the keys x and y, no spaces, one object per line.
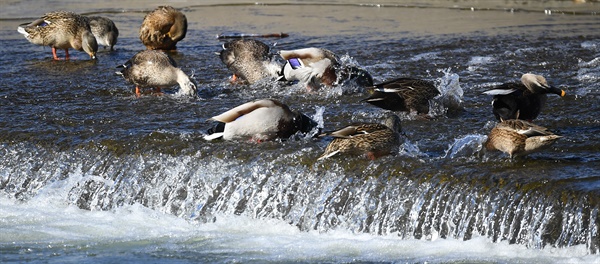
{"x":90,"y":172}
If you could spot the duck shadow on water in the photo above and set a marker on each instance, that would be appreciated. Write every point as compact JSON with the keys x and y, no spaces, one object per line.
{"x":62,"y":67}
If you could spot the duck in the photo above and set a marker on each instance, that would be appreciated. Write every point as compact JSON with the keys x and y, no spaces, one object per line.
{"x":61,"y":30}
{"x":155,"y":68}
{"x":373,"y":140}
{"x":105,"y":31}
{"x":403,"y":95}
{"x":163,"y":28}
{"x":250,"y":60}
{"x":517,"y":137}
{"x":259,"y":120}
{"x":523,"y":100}
{"x":319,"y":67}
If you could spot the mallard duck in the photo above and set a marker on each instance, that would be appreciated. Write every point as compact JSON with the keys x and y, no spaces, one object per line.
{"x":518,"y":137}
{"x":522,"y":100}
{"x":154,"y":68}
{"x":163,"y":28}
{"x":317,"y":67}
{"x":104,"y":30}
{"x":250,"y":60}
{"x":61,"y":30}
{"x":403,"y":94}
{"x":260,"y":120}
{"x":372,"y":139}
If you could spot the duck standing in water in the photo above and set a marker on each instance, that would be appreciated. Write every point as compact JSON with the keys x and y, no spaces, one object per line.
{"x":370,"y":139}
{"x":250,"y":60}
{"x":104,"y":30}
{"x":403,"y":94}
{"x":154,"y":68}
{"x":61,"y":30}
{"x":260,"y":120}
{"x":163,"y":28}
{"x":317,"y":67}
{"x":518,"y":138}
{"x":522,"y":100}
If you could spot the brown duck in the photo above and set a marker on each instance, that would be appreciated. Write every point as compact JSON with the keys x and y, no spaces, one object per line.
{"x":370,"y":139}
{"x":403,"y":94}
{"x":163,"y":28}
{"x":61,"y":30}
{"x":156,"y":69}
{"x":250,"y":60}
{"x":518,"y":138}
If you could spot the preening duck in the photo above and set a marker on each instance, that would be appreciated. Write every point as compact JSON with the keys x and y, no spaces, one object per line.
{"x":403,"y":94}
{"x":370,"y":139}
{"x":523,"y":100}
{"x":260,"y":120}
{"x":61,"y":30}
{"x":155,"y":68}
{"x":518,"y":138}
{"x":163,"y":28}
{"x":250,"y":60}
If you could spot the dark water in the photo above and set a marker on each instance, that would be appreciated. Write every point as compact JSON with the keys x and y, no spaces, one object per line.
{"x":74,"y":138}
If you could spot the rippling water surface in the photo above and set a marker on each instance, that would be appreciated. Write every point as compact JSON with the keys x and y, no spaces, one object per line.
{"x":91,"y":173}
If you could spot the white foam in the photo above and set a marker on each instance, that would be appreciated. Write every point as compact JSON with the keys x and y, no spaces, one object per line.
{"x":243,"y":239}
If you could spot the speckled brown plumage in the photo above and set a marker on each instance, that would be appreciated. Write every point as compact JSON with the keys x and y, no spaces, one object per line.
{"x":61,"y":30}
{"x":154,"y":68}
{"x":403,"y":94}
{"x":371,"y":139}
{"x":250,"y":60}
{"x":163,"y":28}
{"x":518,"y":138}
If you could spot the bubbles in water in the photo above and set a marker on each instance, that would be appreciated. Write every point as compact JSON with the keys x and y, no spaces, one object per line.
{"x":426,"y":56}
{"x":592,"y":45}
{"x":589,"y":72}
{"x":411,"y":149}
{"x":477,"y":61}
{"x":451,"y":94}
{"x":466,"y":146}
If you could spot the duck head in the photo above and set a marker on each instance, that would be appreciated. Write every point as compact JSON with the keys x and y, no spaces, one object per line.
{"x":89,"y":44}
{"x":537,"y":84}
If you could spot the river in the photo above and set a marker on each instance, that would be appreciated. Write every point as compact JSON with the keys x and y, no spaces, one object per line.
{"x":91,"y":173}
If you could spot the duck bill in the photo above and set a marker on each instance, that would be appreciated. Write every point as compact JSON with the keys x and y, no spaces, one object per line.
{"x":560,"y":92}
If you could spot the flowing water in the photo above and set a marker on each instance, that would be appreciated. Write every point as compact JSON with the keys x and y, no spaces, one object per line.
{"x":91,"y":173}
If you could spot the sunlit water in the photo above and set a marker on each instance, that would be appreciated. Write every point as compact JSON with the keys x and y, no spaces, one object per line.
{"x":91,"y":173}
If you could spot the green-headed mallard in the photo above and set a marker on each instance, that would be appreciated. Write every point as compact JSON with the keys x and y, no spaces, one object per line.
{"x":163,"y":28}
{"x":104,"y":30}
{"x":317,"y":67}
{"x":250,"y":60}
{"x":518,"y":137}
{"x":522,"y":100}
{"x":403,"y":94}
{"x":370,"y":139}
{"x":61,"y":30}
{"x":260,"y":120}
{"x":155,"y":68}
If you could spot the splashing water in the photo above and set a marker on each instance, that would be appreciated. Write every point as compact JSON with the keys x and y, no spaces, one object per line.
{"x":467,"y":146}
